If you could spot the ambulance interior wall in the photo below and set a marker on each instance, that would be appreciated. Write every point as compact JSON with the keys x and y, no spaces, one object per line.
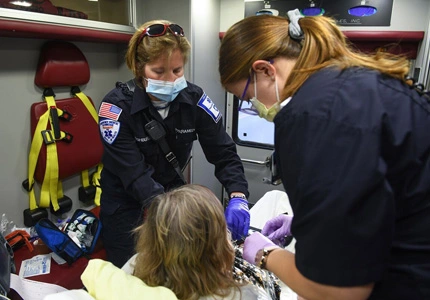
{"x":18,"y":61}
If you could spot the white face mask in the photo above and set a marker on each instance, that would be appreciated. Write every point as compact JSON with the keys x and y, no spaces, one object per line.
{"x":165,"y":90}
{"x":264,"y":112}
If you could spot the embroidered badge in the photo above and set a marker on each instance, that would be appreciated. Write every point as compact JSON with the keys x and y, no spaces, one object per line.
{"x":110,"y":111}
{"x":208,"y":106}
{"x":109,"y":130}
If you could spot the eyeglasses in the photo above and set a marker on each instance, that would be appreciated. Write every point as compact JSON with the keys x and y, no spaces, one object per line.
{"x":155,"y":30}
{"x":247,"y":110}
{"x":246,"y":107}
{"x":246,"y":88}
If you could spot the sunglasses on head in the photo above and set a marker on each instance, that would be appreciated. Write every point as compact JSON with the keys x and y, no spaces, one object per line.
{"x":155,"y":30}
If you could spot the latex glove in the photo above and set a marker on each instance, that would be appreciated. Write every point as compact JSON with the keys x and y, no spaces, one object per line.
{"x":237,"y":217}
{"x":278,"y":228}
{"x":253,"y":243}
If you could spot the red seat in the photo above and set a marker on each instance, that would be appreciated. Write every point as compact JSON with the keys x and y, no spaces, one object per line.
{"x":61,"y":64}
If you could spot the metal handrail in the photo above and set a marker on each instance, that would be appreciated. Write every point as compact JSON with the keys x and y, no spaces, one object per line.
{"x":256,"y":162}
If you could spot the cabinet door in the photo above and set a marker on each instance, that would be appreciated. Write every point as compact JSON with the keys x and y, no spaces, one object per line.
{"x":114,"y":15}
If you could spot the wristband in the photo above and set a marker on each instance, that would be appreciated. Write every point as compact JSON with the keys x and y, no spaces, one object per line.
{"x":261,"y":256}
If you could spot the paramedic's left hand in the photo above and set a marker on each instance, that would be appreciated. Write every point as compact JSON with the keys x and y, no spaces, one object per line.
{"x":237,"y":217}
{"x":278,"y":228}
{"x":253,"y":243}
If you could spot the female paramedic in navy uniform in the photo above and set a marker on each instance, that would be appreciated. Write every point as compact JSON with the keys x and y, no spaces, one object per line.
{"x":352,"y":144}
{"x":135,"y":168}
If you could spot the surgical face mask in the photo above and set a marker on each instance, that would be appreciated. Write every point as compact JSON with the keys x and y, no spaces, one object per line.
{"x":165,"y":90}
{"x":264,"y":112}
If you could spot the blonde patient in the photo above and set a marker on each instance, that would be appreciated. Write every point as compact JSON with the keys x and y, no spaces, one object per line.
{"x":184,"y":252}
{"x":184,"y":245}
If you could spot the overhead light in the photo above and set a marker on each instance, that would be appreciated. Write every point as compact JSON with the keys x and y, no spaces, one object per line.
{"x":362,"y":10}
{"x":21,"y":3}
{"x":312,"y":10}
{"x":267,"y":10}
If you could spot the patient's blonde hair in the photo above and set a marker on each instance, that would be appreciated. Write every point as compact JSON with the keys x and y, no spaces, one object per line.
{"x":184,"y":244}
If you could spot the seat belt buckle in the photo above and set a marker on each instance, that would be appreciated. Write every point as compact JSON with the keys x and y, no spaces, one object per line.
{"x":66,"y":116}
{"x":26,"y":185}
{"x":68,"y":138}
{"x":170,"y":157}
{"x":47,"y":137}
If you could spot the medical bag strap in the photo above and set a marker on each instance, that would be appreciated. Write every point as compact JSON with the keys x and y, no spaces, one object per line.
{"x":160,"y":138}
{"x":85,"y":178}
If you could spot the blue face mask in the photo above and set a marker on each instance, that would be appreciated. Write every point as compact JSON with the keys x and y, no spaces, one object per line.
{"x":165,"y":90}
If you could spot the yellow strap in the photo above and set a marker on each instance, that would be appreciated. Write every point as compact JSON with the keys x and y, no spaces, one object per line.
{"x":51,"y":189}
{"x":50,"y":182}
{"x":45,"y":190}
{"x":36,"y":145}
{"x":85,"y":178}
{"x":60,"y":193}
{"x":52,"y":165}
{"x":97,"y":196}
{"x":96,"y":183}
{"x":90,"y":107}
{"x":96,"y":176}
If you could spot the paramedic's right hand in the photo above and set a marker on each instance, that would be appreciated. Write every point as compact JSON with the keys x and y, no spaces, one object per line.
{"x":278,"y":228}
{"x":237,"y":217}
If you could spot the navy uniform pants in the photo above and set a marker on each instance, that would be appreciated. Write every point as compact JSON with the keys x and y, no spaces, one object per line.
{"x":117,"y":233}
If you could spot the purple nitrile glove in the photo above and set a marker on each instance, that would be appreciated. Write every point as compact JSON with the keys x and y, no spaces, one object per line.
{"x":253,"y":243}
{"x":278,"y":228}
{"x":237,"y":217}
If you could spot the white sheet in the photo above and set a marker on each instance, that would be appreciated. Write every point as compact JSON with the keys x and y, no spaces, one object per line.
{"x":272,"y":204}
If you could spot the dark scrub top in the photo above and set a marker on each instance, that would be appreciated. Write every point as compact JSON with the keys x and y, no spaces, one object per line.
{"x":134,"y":167}
{"x":354,"y":155}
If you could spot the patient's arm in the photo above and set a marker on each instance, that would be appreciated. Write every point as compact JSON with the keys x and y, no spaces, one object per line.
{"x":104,"y":281}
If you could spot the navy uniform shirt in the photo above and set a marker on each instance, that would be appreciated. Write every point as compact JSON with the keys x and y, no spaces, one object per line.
{"x":135,"y":168}
{"x":354,"y":155}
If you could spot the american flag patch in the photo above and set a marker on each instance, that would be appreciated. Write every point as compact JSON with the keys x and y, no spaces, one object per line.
{"x":110,"y":111}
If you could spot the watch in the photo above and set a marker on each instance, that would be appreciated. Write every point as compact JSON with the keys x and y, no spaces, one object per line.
{"x":261,"y":256}
{"x":238,"y":196}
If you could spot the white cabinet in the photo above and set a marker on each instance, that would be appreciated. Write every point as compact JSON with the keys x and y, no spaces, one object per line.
{"x":82,"y":20}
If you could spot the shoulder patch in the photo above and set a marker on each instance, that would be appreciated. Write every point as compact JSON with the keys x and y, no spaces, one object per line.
{"x":110,"y":111}
{"x":109,"y":130}
{"x":209,"y":107}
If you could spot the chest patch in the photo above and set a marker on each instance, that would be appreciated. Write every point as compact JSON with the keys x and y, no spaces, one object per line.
{"x":109,"y":130}
{"x":110,"y":111}
{"x":209,"y":107}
